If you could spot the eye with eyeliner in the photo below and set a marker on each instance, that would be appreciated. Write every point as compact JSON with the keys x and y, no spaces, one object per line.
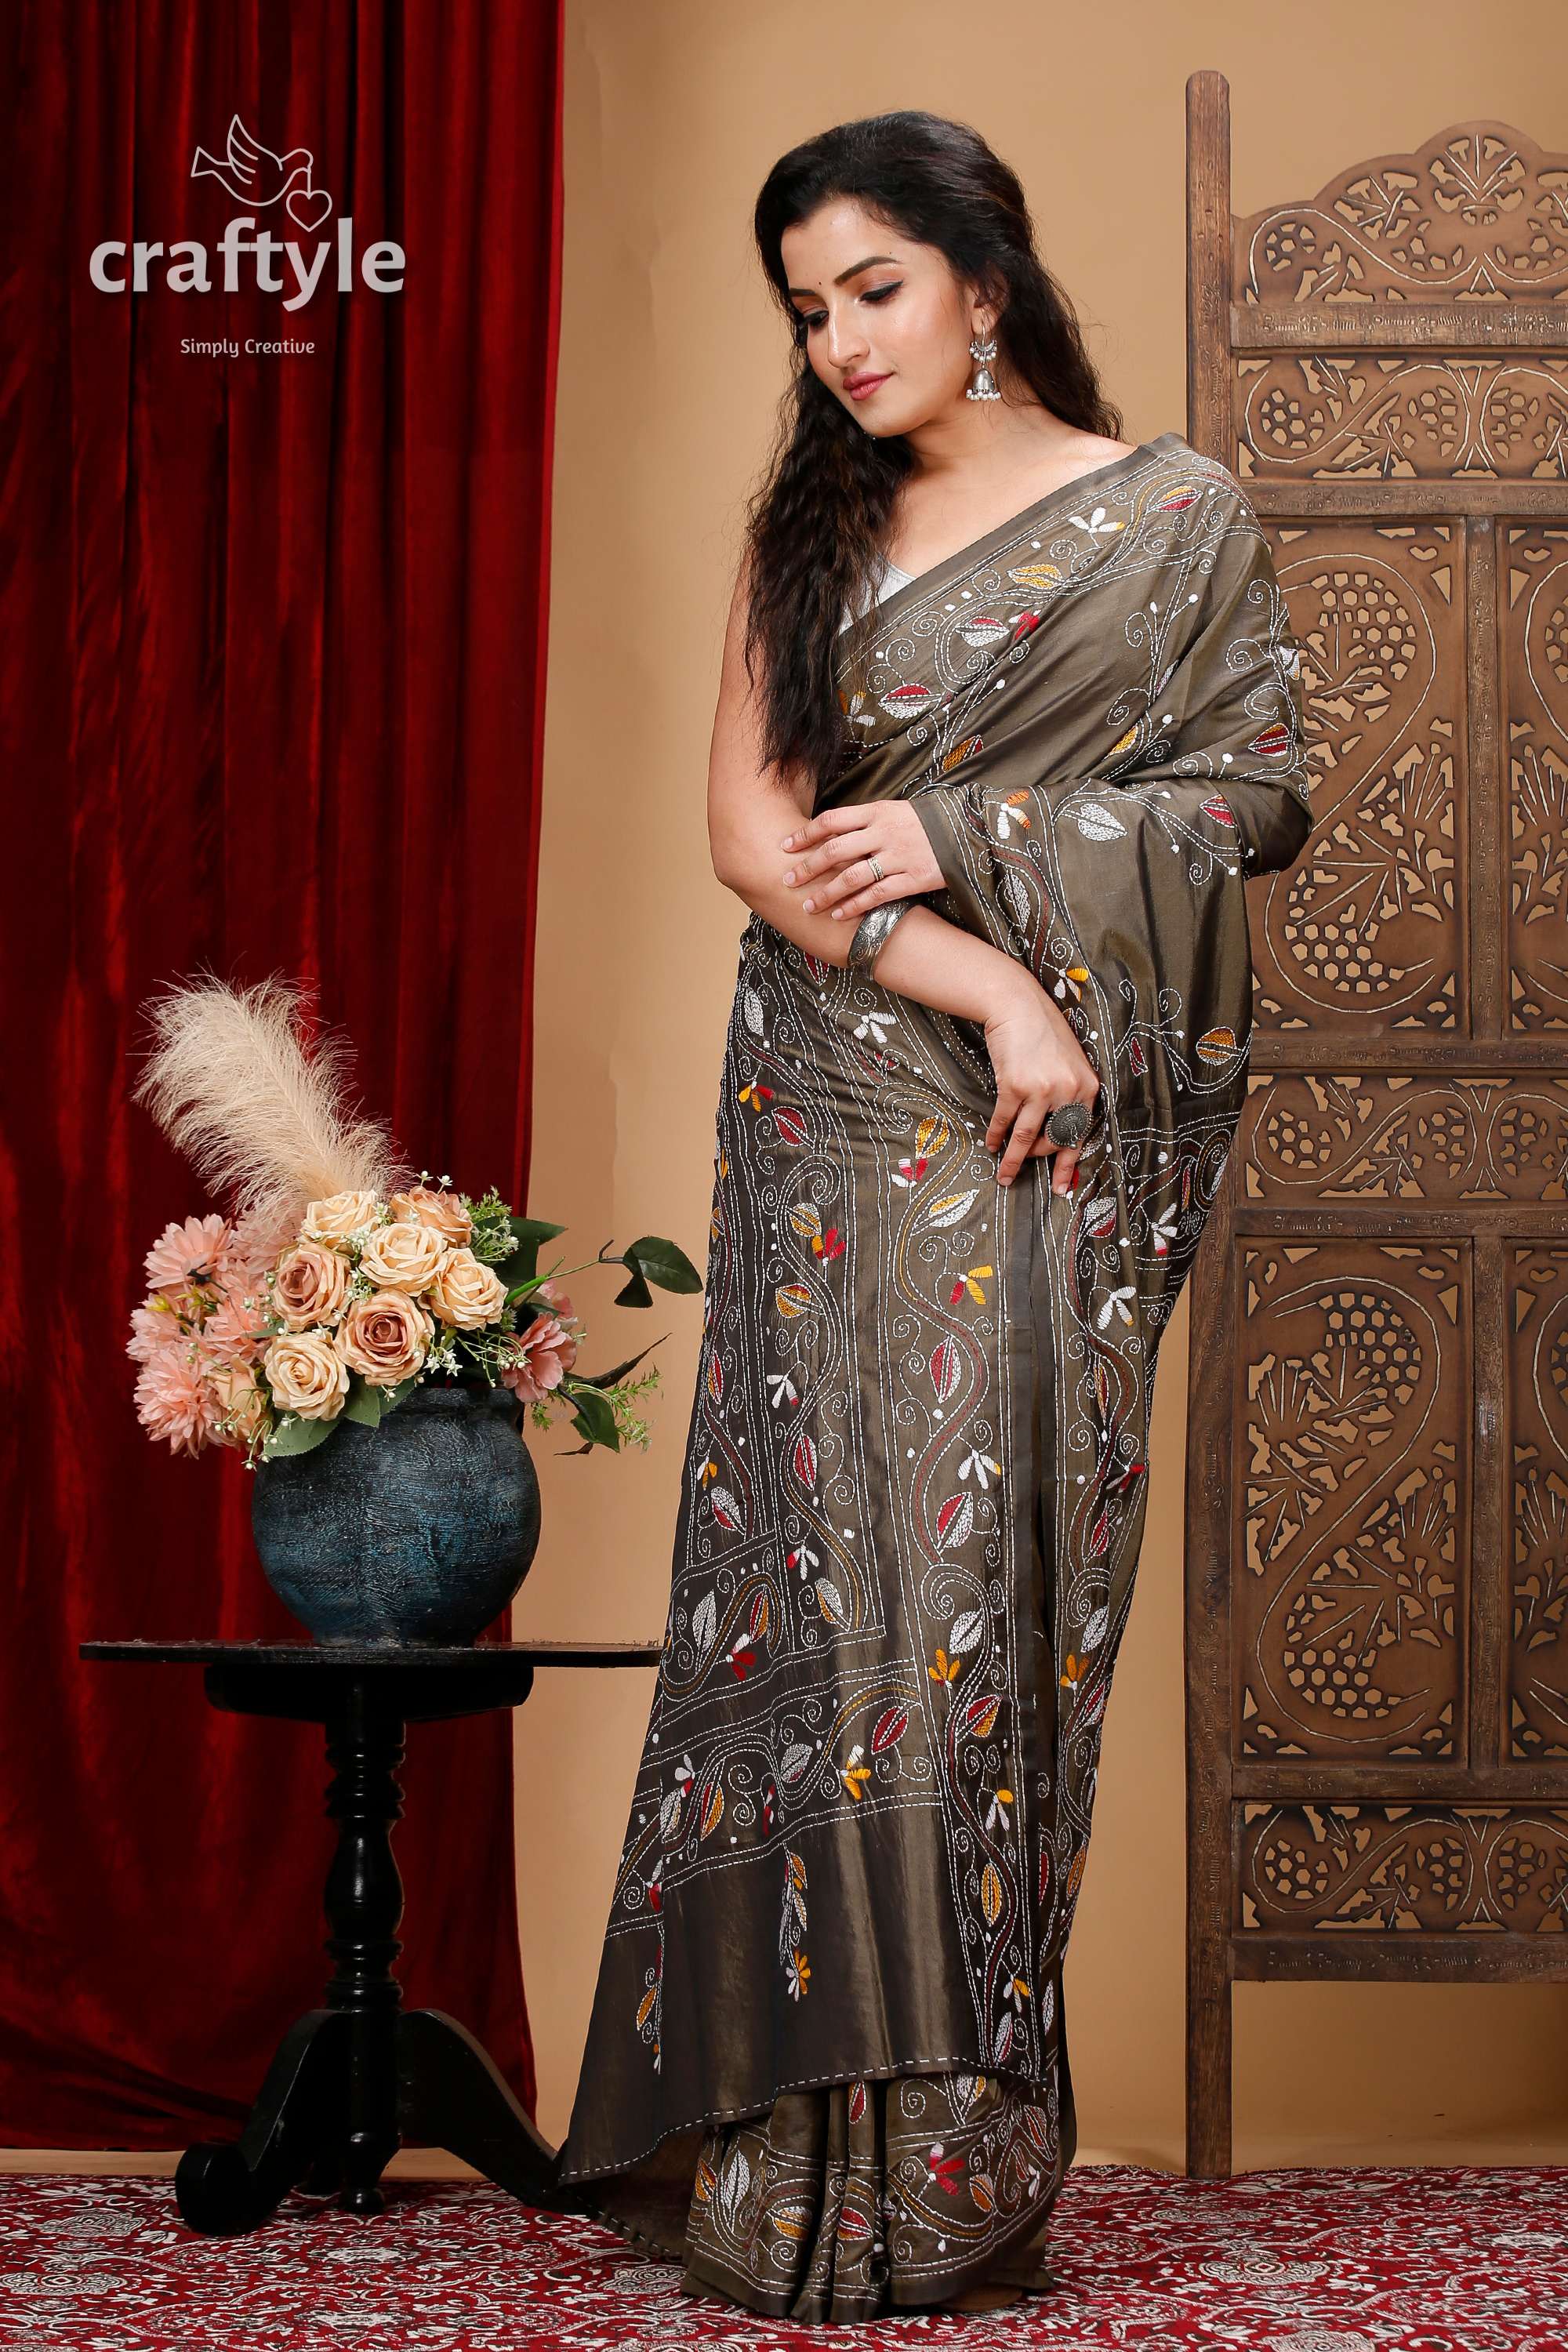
{"x":874,"y":294}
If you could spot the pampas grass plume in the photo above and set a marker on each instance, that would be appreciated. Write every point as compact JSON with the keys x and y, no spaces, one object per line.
{"x":229,"y":1083}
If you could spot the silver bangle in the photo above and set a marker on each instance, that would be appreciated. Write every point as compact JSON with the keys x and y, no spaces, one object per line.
{"x":872,"y":932}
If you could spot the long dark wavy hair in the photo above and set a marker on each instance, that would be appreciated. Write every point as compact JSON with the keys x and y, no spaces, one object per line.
{"x":813,"y":527}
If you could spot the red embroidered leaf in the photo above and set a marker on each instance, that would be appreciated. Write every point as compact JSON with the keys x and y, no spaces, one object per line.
{"x":890,"y":1728}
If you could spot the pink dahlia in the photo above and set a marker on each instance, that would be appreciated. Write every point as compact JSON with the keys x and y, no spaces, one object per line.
{"x":194,"y":1252}
{"x":541,"y":1355}
{"x":257,"y":1243}
{"x":153,"y":1330}
{"x":235,"y":1333}
{"x":175,"y":1402}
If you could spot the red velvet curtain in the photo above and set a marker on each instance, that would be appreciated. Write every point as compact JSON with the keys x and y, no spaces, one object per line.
{"x":273,"y":671}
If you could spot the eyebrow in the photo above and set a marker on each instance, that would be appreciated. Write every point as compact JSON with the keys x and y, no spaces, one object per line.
{"x":870,"y":263}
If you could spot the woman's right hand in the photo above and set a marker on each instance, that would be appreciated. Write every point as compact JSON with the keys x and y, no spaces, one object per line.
{"x":1039,"y":1065}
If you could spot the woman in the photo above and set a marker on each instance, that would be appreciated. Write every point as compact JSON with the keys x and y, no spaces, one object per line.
{"x":1026,"y":718}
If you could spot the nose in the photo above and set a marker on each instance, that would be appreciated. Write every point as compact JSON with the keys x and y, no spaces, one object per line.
{"x":845,"y":344}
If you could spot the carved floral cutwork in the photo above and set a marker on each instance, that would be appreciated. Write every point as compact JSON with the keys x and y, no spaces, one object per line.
{"x":1349,"y":1609}
{"x":1478,"y":213}
{"x":1395,"y":1869}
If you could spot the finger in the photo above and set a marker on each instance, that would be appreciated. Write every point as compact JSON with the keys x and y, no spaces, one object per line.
{"x":1026,"y":1126}
{"x":1064,"y":1172}
{"x":851,"y":871}
{"x":1001,"y":1120}
{"x":864,"y":892}
{"x":817,"y":829}
{"x":844,"y":847}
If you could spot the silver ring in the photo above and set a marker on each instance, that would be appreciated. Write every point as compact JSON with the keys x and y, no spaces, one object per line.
{"x":1069,"y":1124}
{"x":875,"y":870}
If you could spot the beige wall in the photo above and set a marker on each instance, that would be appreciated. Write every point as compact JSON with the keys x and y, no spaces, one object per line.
{"x":671,"y":361}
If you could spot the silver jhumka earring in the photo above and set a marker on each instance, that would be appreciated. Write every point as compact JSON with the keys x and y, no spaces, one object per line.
{"x":984,"y":387}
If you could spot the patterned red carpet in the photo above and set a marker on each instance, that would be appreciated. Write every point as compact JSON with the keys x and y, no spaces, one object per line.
{"x":1361,"y":2259}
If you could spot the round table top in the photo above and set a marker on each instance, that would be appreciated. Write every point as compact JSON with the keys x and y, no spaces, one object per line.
{"x":470,"y":1656}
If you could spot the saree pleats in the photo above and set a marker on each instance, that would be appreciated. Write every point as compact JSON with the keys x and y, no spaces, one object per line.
{"x":825,"y":2066}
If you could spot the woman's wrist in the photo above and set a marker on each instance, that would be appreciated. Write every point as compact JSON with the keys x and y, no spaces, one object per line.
{"x":949,"y":970}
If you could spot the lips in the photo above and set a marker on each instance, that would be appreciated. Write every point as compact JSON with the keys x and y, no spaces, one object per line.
{"x":858,"y":387}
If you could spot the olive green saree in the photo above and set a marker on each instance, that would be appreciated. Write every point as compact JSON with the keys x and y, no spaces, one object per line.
{"x":827,"y":2068}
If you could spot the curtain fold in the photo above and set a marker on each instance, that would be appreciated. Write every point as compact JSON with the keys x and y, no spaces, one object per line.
{"x":271,"y":679}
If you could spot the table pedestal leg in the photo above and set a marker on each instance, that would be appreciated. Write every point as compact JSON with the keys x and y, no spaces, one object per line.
{"x":352,"y":2081}
{"x":364,"y":1908}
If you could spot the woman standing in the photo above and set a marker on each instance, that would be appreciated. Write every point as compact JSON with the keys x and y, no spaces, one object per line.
{"x":1025,"y":716}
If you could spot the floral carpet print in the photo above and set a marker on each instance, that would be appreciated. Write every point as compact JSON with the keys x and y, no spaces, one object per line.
{"x":1356,"y":2260}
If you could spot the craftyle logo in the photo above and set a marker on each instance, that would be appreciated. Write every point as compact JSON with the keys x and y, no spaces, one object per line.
{"x":257,"y":177}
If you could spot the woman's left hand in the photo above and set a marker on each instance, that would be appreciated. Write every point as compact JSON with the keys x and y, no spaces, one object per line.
{"x":828,"y":856}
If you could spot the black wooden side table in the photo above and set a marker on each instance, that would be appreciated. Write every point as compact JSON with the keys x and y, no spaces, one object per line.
{"x":351,"y":2082}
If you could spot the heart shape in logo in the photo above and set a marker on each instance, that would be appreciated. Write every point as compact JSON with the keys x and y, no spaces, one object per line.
{"x":308,"y":207}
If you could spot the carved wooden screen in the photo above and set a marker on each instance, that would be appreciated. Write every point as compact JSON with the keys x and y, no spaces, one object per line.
{"x":1377,"y":1505}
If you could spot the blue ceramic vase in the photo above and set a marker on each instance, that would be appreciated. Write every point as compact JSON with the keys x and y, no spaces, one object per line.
{"x":418,"y":1531}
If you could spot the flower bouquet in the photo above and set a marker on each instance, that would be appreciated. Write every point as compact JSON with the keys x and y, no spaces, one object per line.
{"x":341,"y":1303}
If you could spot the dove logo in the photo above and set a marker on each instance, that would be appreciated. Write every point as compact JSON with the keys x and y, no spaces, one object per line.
{"x":256,"y":176}
{"x":253,"y":175}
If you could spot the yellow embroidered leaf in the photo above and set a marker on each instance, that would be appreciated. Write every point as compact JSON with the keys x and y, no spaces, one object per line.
{"x":1035,"y":575}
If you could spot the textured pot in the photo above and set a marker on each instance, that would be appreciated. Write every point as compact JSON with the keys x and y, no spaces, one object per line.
{"x":419,"y":1530}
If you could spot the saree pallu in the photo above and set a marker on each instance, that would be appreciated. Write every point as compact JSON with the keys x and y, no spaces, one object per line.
{"x":826,"y":2067}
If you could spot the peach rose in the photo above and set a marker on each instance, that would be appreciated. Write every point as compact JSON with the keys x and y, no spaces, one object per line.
{"x":466,"y":1292}
{"x":423,"y":1204}
{"x":403,"y":1256}
{"x":306,"y":1374}
{"x":310,"y":1286}
{"x":540,"y":1355}
{"x":333,"y":1219}
{"x":242,"y":1407}
{"x":385,"y":1336}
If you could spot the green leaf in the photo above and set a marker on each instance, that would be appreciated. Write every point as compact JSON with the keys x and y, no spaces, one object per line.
{"x":618,"y":1371}
{"x":534,"y":1229}
{"x":364,"y":1402}
{"x":595,"y":1417}
{"x":654,"y":1259}
{"x":297,"y":1437}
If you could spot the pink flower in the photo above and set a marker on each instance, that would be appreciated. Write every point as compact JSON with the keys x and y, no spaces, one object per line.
{"x":194,"y":1252}
{"x":540,"y":1355}
{"x":173,"y":1401}
{"x":549,"y":1288}
{"x":235,"y":1333}
{"x":255,"y":1244}
{"x":153,"y":1328}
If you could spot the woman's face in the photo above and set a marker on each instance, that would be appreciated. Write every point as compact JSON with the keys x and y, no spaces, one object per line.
{"x":876,"y":304}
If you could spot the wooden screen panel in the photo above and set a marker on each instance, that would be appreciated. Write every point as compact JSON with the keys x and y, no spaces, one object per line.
{"x":1371,"y":927}
{"x":1350,"y":1612}
{"x":1538,"y":1473}
{"x":1377,"y":1491}
{"x":1369,"y":1136}
{"x":1359,"y":1870}
{"x":1534,"y":676}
